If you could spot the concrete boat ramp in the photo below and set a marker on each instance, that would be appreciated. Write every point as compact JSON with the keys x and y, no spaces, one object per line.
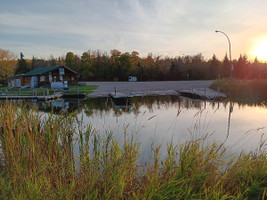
{"x":199,"y":93}
{"x":202,"y":93}
{"x":190,"y":89}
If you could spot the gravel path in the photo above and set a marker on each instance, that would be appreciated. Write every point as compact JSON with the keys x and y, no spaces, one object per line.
{"x":145,"y":88}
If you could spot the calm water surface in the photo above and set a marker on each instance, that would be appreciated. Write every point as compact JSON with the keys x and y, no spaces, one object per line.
{"x":159,"y":120}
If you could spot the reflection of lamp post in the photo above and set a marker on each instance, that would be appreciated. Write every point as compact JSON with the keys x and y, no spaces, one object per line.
{"x":231,"y":76}
{"x":229,"y":42}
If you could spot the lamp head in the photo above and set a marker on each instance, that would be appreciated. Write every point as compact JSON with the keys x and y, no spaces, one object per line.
{"x":216,"y":31}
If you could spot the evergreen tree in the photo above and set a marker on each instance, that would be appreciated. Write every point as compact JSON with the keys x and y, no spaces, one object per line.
{"x":22,"y":66}
{"x":226,"y":69}
{"x":241,"y":67}
{"x":214,"y":68}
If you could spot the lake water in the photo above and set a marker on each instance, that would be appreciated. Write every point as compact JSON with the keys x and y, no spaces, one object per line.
{"x":161,"y":119}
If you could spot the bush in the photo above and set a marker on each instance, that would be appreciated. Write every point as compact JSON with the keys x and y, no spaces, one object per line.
{"x":38,"y":162}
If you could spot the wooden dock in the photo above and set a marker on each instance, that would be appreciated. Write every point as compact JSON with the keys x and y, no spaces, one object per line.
{"x":119,"y":101}
{"x":45,"y":97}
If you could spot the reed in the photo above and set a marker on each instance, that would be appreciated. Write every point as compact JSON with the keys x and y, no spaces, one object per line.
{"x":38,"y":161}
{"x":243,"y":91}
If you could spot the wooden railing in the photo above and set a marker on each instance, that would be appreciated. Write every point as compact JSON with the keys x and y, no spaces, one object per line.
{"x":26,"y":92}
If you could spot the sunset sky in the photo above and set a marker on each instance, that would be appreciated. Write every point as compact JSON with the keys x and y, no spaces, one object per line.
{"x":42,"y":28}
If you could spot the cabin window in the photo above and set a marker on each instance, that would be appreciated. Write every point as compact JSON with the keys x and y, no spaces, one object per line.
{"x":42,"y":79}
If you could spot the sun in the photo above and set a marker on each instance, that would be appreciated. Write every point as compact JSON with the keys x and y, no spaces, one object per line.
{"x":260,"y":49}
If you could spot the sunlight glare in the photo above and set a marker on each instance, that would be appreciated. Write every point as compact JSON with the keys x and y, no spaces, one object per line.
{"x":260,"y":49}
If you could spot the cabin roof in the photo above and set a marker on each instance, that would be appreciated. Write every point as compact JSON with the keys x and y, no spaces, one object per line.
{"x":15,"y":76}
{"x":41,"y":71}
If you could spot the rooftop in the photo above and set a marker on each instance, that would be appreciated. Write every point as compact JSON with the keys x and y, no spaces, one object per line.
{"x":42,"y":70}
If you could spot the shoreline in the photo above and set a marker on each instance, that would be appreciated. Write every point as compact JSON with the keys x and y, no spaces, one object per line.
{"x":197,"y":89}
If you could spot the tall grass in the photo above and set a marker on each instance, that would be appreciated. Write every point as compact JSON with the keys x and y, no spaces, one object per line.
{"x":243,"y":91}
{"x":38,"y":162}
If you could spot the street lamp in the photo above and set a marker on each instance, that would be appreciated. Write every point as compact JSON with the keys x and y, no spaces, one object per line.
{"x":230,"y":56}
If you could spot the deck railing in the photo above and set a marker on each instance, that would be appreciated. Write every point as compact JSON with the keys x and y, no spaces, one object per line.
{"x":26,"y":92}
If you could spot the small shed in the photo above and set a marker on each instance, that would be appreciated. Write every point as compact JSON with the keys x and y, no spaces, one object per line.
{"x":43,"y":77}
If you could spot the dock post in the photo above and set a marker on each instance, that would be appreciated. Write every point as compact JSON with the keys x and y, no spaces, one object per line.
{"x":115,"y":90}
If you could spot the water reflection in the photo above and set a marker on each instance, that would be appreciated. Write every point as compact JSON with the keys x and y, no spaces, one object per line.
{"x":231,"y":108}
{"x":161,"y":119}
{"x":164,"y":118}
{"x":103,"y":105}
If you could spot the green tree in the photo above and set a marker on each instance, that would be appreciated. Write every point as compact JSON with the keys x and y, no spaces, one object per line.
{"x":241,"y":67}
{"x":115,"y":63}
{"x":70,"y":60}
{"x":38,"y":63}
{"x":22,"y":66}
{"x":175,"y":73}
{"x":214,"y":68}
{"x":124,"y":66}
{"x":226,"y":68}
{"x":135,"y":60}
{"x":86,"y":66}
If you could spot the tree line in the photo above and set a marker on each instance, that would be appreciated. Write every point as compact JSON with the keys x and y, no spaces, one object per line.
{"x":118,"y":66}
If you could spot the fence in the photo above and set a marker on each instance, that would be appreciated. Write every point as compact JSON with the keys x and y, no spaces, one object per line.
{"x":26,"y":92}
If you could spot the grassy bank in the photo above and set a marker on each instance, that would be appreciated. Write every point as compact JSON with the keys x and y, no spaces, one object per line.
{"x":38,"y":162}
{"x":87,"y":89}
{"x":250,"y":91}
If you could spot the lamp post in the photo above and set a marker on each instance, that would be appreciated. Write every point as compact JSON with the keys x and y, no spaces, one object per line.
{"x":230,"y":56}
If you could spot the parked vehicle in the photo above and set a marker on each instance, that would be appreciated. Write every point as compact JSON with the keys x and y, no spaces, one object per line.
{"x":132,"y":79}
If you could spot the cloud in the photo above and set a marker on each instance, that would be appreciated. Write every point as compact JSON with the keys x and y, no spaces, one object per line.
{"x":157,"y":26}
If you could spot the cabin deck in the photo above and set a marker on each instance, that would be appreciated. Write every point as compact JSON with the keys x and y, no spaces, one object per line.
{"x":46,"y":97}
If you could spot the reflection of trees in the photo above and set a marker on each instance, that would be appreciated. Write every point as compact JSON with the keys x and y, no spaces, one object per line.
{"x":99,"y":106}
{"x":64,"y":106}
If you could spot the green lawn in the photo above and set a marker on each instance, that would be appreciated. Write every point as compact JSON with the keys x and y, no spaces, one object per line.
{"x":87,"y":89}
